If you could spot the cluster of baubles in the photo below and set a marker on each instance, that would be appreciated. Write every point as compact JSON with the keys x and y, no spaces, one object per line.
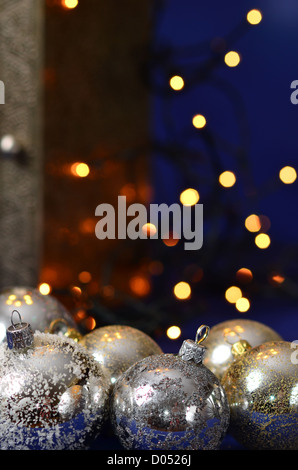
{"x":59,"y":388}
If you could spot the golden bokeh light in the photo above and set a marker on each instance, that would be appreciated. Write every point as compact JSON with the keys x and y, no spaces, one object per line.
{"x":182,"y":290}
{"x":85,"y":277}
{"x":253,"y":223}
{"x":232,"y":294}
{"x":176,"y":82}
{"x":69,"y":4}
{"x":227,"y":179}
{"x":80,"y":169}
{"x":173,"y":332}
{"x":189,"y":197}
{"x":232,"y":59}
{"x":242,"y":304}
{"x":199,"y":121}
{"x":171,"y":240}
{"x":254,"y":16}
{"x":140,"y":285}
{"x":244,"y":275}
{"x":288,"y":175}
{"x":262,"y":241}
{"x":44,"y":288}
{"x":149,"y":229}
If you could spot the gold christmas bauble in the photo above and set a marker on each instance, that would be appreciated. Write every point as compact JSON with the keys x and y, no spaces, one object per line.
{"x":262,"y":390}
{"x":117,"y":347}
{"x":219,"y":343}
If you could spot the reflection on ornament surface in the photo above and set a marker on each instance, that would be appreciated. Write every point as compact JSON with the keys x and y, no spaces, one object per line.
{"x":261,"y":387}
{"x":53,"y":396}
{"x":219,"y":343}
{"x":117,"y":347}
{"x":37,"y":309}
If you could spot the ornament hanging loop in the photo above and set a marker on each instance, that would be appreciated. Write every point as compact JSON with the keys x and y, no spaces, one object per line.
{"x":15,"y":325}
{"x":202,"y":333}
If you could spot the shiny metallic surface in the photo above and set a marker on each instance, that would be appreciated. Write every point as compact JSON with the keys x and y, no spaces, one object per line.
{"x":262,"y":390}
{"x":222,"y":336}
{"x":164,"y":402}
{"x":117,"y":347}
{"x":37,"y":309}
{"x":53,"y":395}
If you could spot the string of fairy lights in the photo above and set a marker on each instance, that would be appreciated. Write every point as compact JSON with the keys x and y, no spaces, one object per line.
{"x":182,"y":290}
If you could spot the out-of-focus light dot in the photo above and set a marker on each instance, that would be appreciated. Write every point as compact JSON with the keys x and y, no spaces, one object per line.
{"x":149,"y":230}
{"x":89,"y":323}
{"x":69,"y":4}
{"x":173,"y":332}
{"x":227,"y":179}
{"x":242,"y":304}
{"x":176,"y":82}
{"x":232,"y":294}
{"x":189,"y":197}
{"x":232,"y":59}
{"x":80,"y":169}
{"x":254,"y":16}
{"x":182,"y":290}
{"x":85,"y":277}
{"x":171,"y":240}
{"x":199,"y":121}
{"x":140,"y":285}
{"x":18,"y":303}
{"x":44,"y":288}
{"x":253,"y":223}
{"x":244,"y":275}
{"x":262,"y":240}
{"x":12,"y":297}
{"x":277,"y":278}
{"x":288,"y":175}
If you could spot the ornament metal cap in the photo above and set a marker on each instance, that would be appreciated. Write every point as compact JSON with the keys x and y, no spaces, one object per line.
{"x":19,"y":335}
{"x":240,"y":347}
{"x":192,"y":350}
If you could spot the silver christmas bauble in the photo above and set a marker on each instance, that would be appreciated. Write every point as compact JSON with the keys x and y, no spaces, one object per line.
{"x":117,"y":347}
{"x":37,"y":309}
{"x":262,"y":389}
{"x":170,"y":402}
{"x":222,"y":336}
{"x":53,"y":395}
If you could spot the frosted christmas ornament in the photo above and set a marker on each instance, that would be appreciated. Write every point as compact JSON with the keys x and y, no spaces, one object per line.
{"x":262,"y":389}
{"x":53,"y":395}
{"x":222,"y":336}
{"x":170,"y":402}
{"x":37,"y":309}
{"x":117,"y":347}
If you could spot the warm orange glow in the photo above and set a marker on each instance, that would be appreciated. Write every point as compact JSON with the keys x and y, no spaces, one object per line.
{"x":199,"y":121}
{"x":189,"y":197}
{"x":277,"y":278}
{"x":69,"y":4}
{"x":176,"y":82}
{"x":85,"y":277}
{"x":172,"y":240}
{"x":44,"y":288}
{"x":232,"y":59}
{"x":262,"y":241}
{"x":243,"y":304}
{"x":173,"y":332}
{"x":254,"y":16}
{"x":90,"y":323}
{"x":232,"y":294}
{"x":140,"y":286}
{"x":149,"y":230}
{"x":288,"y":175}
{"x":80,"y":170}
{"x":182,"y":290}
{"x":227,"y":179}
{"x":244,"y":275}
{"x":253,"y":223}
{"x":87,"y":226}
